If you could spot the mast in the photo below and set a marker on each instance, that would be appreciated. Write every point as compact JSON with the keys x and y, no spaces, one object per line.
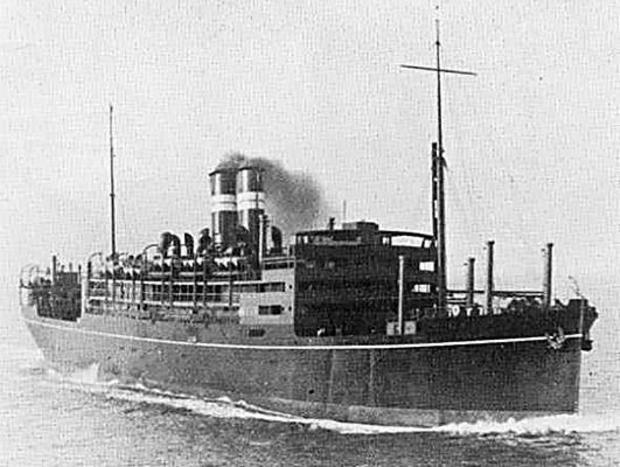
{"x":438,"y":190}
{"x":112,"y":207}
{"x":441,"y":213}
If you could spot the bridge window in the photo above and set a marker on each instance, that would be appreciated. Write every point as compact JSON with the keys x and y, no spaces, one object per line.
{"x":279,"y":264}
{"x":270,"y":310}
{"x":272,"y":287}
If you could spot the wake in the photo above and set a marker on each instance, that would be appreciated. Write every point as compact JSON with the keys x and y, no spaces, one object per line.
{"x":225,"y":408}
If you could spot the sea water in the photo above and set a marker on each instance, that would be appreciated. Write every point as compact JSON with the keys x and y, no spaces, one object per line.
{"x":50,"y":419}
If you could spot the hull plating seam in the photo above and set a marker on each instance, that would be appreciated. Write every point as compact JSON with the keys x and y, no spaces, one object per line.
{"x":302,"y":347}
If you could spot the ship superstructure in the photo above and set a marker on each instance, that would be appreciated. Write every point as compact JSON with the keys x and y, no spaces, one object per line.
{"x":356,"y":280}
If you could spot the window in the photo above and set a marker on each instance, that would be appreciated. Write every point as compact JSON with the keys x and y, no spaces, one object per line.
{"x":259,"y":288}
{"x":272,"y":287}
{"x":269,"y":310}
{"x":281,"y":264}
{"x":427,"y":266}
{"x":256,"y":332}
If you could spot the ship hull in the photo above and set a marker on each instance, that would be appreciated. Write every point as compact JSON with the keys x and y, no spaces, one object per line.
{"x":419,"y":385}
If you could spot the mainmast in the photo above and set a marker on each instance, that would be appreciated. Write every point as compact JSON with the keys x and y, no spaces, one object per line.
{"x":438,"y":165}
{"x":112,"y":207}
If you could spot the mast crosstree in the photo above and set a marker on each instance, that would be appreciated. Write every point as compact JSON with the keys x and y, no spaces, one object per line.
{"x":438,"y":163}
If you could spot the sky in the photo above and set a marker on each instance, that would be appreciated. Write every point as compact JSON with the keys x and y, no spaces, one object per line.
{"x":531,"y":142}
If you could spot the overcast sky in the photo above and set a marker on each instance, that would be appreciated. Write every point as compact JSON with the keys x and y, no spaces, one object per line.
{"x":531,"y":142}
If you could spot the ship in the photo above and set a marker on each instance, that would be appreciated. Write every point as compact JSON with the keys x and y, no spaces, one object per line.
{"x":352,"y":322}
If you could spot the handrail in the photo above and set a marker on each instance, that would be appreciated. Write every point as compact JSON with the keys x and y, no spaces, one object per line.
{"x":190,"y":281}
{"x":176,"y":303}
{"x":501,"y":293}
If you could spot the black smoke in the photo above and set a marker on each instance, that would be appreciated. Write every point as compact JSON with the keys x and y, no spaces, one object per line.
{"x":294,"y":200}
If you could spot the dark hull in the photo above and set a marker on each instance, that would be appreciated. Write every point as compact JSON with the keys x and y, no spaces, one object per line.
{"x":421,"y":385}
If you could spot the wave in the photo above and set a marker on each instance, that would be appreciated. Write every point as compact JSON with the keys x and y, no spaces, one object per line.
{"x":537,"y":426}
{"x":224,"y":407}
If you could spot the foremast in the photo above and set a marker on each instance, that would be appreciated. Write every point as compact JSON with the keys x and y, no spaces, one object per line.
{"x":438,"y":190}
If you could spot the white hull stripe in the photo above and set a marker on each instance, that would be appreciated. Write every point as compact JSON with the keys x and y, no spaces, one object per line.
{"x":427,"y":345}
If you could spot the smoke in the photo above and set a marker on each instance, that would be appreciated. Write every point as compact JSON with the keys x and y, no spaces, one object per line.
{"x":294,"y":200}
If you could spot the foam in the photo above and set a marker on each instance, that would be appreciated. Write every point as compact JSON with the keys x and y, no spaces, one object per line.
{"x":562,"y":424}
{"x":224,"y":407}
